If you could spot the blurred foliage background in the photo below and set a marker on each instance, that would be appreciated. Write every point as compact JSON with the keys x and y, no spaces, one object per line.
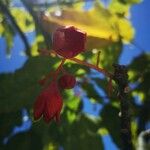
{"x":89,"y":114}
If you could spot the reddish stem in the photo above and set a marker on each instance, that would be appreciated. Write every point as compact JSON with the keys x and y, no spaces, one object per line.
{"x":59,"y":68}
{"x":108,"y":74}
{"x":105,"y":72}
{"x":98,"y":58}
{"x":63,"y":70}
{"x":54,"y":74}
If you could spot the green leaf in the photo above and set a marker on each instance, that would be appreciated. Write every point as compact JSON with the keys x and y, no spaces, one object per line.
{"x":24,"y":141}
{"x":141,"y":74}
{"x":6,"y":31}
{"x":129,"y":1}
{"x":71,"y":101}
{"x":23,"y":19}
{"x":90,"y":91}
{"x":102,"y":27}
{"x":7,"y":122}
{"x":20,"y":89}
{"x":110,"y":121}
{"x":82,"y":134}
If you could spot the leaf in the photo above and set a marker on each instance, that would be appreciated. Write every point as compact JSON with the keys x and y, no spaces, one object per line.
{"x":24,"y":141}
{"x":129,"y":1}
{"x":82,"y":134}
{"x":21,"y":88}
{"x":38,"y":42}
{"x":9,"y":35}
{"x":120,"y":8}
{"x":7,"y":123}
{"x":110,"y":121}
{"x":141,"y":74}
{"x":101,"y":25}
{"x":23,"y":19}
{"x":6,"y":31}
{"x":90,"y":91}
{"x":71,"y":101}
{"x":1,"y":25}
{"x":125,"y":29}
{"x":74,"y":68}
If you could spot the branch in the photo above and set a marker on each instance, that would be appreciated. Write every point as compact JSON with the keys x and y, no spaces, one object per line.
{"x":6,"y":11}
{"x":37,"y":22}
{"x":121,"y":78}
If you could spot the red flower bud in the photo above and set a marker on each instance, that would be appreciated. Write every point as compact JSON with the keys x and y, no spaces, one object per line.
{"x":69,"y":41}
{"x":67,"y":81}
{"x":48,"y":103}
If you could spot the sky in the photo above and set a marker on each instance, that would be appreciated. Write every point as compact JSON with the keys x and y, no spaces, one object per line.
{"x":140,"y":18}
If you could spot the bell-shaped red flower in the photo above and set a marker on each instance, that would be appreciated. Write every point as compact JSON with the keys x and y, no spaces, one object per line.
{"x":48,"y":104}
{"x":67,"y":81}
{"x":69,"y":41}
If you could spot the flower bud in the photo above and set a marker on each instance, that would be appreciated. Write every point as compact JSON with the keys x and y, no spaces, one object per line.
{"x":67,"y":81}
{"x":48,"y":104}
{"x":69,"y":41}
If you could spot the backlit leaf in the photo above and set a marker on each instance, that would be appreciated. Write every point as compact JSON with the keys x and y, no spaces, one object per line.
{"x":98,"y":22}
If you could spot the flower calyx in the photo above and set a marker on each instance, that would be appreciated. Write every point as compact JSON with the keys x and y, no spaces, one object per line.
{"x":68,"y":41}
{"x":67,"y":81}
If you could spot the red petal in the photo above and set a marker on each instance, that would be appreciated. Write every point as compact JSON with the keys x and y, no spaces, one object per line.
{"x":53,"y":106}
{"x":53,"y":103}
{"x":48,"y":103}
{"x":38,"y":107}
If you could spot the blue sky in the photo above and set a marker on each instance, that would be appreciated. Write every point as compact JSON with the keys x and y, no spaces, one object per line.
{"x":140,"y":18}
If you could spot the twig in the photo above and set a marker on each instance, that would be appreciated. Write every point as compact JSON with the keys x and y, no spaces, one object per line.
{"x":44,"y":81}
{"x":37,"y":22}
{"x":98,"y":58}
{"x":6,"y":11}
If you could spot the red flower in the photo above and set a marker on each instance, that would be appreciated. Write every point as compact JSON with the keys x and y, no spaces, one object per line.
{"x":69,"y":41}
{"x":67,"y":81}
{"x":48,"y":103}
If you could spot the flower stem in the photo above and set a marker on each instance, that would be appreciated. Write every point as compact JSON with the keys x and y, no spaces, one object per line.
{"x":59,"y":68}
{"x":53,"y":74}
{"x":78,"y":61}
{"x":106,"y":73}
{"x":98,"y":58}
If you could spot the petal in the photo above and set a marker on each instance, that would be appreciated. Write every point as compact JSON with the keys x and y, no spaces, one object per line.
{"x":39,"y":104}
{"x":48,"y":114}
{"x":38,"y":107}
{"x":52,"y":101}
{"x":46,"y":117}
{"x":53,"y":106}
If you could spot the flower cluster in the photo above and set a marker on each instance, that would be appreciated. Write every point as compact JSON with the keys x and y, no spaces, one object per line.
{"x":67,"y":42}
